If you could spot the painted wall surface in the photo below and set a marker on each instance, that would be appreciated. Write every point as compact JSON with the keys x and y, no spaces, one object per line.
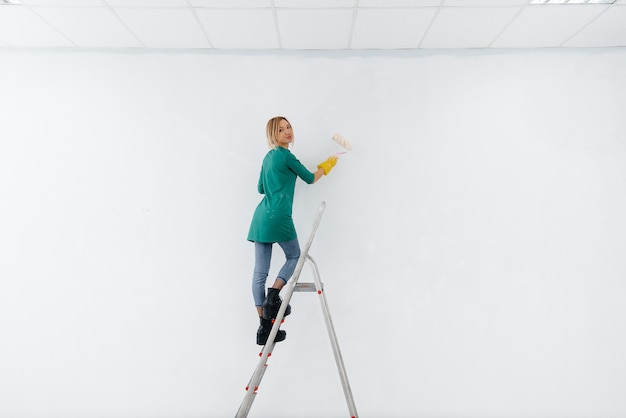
{"x":472,"y":248}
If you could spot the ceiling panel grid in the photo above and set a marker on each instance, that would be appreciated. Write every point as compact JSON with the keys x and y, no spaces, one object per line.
{"x":309,"y":24}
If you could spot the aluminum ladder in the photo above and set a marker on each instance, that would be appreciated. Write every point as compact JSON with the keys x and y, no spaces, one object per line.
{"x":294,"y":286}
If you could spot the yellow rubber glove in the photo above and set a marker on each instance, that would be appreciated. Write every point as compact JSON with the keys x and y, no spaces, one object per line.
{"x":328,"y":164}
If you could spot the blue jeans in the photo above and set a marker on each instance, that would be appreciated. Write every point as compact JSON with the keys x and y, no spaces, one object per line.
{"x":262,"y":259}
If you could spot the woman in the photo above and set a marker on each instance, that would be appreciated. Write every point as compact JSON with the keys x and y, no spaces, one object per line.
{"x":272,"y":221}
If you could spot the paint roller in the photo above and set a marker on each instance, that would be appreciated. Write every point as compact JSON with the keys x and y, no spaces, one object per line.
{"x":343,"y":142}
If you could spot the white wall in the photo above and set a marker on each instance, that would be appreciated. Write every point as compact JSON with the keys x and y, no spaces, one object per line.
{"x":472,"y":247}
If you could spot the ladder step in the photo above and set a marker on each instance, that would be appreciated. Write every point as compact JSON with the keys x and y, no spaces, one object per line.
{"x":306,"y":287}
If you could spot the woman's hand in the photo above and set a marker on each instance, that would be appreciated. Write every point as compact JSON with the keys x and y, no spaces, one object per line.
{"x":328,"y":165}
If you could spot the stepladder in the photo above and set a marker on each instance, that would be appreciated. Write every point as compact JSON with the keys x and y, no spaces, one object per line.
{"x":315,"y":287}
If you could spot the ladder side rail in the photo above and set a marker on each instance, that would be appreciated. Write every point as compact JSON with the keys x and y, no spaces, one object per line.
{"x":343,"y":374}
{"x":255,"y":380}
{"x":251,"y":389}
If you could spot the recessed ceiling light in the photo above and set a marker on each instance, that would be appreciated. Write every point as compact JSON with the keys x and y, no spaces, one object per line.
{"x":572,"y":1}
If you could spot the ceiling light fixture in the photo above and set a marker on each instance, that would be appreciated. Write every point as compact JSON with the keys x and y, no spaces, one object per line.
{"x":572,"y":1}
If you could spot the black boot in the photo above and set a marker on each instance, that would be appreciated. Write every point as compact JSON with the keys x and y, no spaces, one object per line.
{"x":272,"y":302}
{"x":264,"y":330}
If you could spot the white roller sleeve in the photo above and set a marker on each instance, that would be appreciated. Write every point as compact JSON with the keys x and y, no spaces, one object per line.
{"x":342,"y":141}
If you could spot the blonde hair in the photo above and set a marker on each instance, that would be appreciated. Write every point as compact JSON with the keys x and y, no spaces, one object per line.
{"x":271,"y":130}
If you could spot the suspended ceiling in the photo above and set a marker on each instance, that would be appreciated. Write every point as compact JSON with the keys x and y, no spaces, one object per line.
{"x":309,"y":24}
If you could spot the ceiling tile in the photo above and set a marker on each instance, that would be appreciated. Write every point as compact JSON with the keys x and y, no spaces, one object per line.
{"x":473,"y":27}
{"x":21,"y":27}
{"x":609,"y":29}
{"x":484,"y":3}
{"x":399,"y":3}
{"x":165,"y":28}
{"x":89,"y":27}
{"x":240,"y":29}
{"x":231,"y":3}
{"x":390,"y":28}
{"x":314,"y":28}
{"x":312,"y":4}
{"x":148,"y":3}
{"x":546,"y":26}
{"x":64,"y":3}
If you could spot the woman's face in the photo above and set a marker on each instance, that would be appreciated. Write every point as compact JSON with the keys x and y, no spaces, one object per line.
{"x":284,"y":137}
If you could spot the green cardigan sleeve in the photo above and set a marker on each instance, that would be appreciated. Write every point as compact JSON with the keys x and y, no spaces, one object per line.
{"x":301,"y":171}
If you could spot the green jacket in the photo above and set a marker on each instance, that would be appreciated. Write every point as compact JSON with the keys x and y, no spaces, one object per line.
{"x":272,"y":221}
